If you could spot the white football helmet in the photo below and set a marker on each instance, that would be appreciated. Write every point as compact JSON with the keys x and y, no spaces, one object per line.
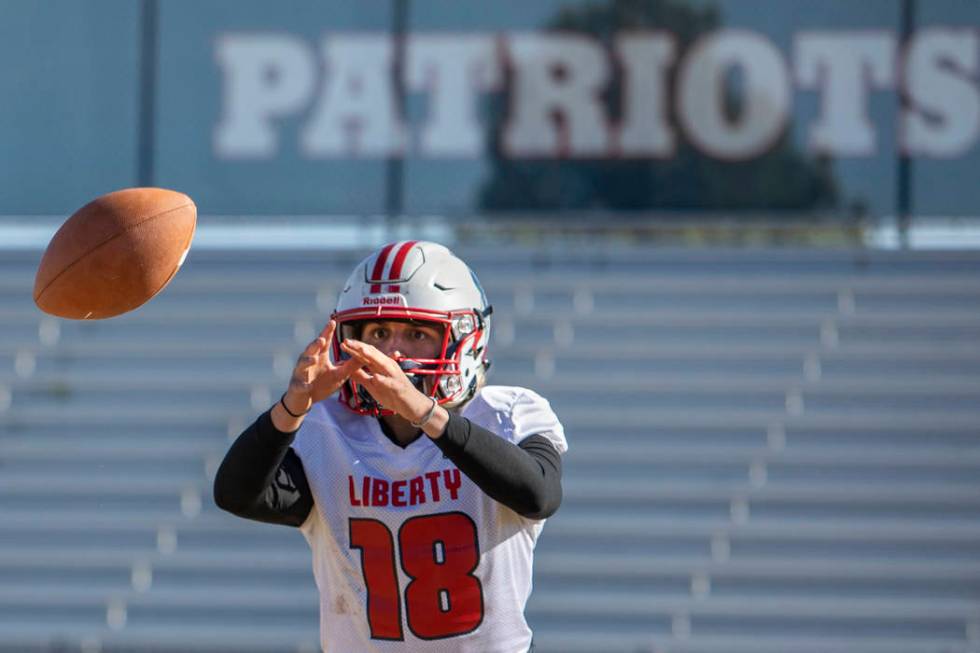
{"x":424,"y":282}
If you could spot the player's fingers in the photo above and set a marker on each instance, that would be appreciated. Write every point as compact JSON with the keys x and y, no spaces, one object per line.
{"x":350,"y":365}
{"x":365,"y":348}
{"x":365,"y":378}
{"x":345,"y":369}
{"x":371,"y":353}
{"x":327,"y":335}
{"x":376,"y":363}
{"x":313,"y":347}
{"x":359,"y":351}
{"x":352,"y":351}
{"x":306,"y":360}
{"x":353,"y":345}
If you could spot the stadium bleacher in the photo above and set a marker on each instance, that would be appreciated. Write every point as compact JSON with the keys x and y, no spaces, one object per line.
{"x":771,"y":451}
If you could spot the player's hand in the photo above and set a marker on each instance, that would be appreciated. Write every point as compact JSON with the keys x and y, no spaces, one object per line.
{"x":315,"y":377}
{"x":386,"y":381}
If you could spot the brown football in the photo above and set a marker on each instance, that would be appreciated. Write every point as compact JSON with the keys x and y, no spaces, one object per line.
{"x":115,"y":253}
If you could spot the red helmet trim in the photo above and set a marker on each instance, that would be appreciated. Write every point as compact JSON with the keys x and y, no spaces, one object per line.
{"x":379,"y":266}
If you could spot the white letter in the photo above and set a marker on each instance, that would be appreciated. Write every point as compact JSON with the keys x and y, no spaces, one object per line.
{"x":453,"y":69}
{"x":765,"y":96}
{"x":265,"y":76}
{"x":561,"y":75}
{"x":940,"y":68}
{"x":843,"y":66}
{"x":645,"y":130}
{"x":356,"y":113}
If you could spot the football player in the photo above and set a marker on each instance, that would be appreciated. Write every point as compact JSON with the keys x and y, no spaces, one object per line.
{"x":420,"y":489}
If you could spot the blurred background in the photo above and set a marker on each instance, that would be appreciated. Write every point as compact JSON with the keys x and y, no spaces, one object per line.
{"x":734,"y":242}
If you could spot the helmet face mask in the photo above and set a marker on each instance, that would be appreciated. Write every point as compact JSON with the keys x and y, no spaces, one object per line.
{"x":424,"y":283}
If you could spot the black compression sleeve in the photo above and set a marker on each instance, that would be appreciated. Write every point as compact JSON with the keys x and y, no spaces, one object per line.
{"x":526,"y":478}
{"x":262,"y":478}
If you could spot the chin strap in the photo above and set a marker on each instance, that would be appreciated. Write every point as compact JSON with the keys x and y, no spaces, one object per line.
{"x":367,"y":401}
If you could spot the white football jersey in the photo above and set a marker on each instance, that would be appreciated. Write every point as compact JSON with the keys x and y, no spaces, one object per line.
{"x":408,"y":553}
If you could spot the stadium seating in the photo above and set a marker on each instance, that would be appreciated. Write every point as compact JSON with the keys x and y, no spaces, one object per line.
{"x":772,"y":451}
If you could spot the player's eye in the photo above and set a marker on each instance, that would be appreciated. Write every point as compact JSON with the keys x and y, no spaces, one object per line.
{"x":419,"y":335}
{"x":377,"y":333}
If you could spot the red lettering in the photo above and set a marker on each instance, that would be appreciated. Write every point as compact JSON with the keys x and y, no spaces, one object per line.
{"x":398,"y":493}
{"x":433,"y":484}
{"x":416,"y":491}
{"x":409,"y":492}
{"x":382,"y":301}
{"x":379,"y":494}
{"x":353,"y":495}
{"x":453,"y":481}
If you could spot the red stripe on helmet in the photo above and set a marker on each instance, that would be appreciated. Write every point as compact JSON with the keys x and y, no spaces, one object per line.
{"x":379,"y":266}
{"x":396,"y":266}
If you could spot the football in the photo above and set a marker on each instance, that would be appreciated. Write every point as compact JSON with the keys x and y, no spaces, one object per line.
{"x":115,"y":253}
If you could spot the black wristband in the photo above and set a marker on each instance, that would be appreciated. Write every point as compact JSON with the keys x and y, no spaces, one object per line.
{"x":282,"y":401}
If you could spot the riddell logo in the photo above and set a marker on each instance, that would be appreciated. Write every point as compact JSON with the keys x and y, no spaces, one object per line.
{"x":386,"y":300}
